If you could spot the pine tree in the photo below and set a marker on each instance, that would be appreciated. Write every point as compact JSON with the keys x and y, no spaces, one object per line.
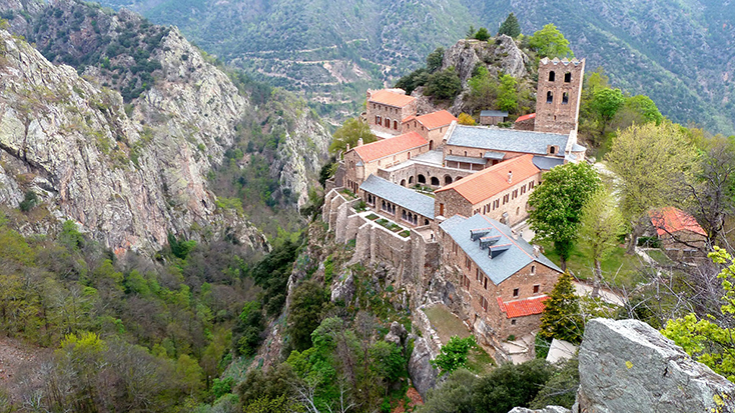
{"x":561,"y":318}
{"x":510,"y":26}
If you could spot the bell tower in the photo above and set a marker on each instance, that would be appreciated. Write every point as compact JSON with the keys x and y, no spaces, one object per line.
{"x":558,"y":94}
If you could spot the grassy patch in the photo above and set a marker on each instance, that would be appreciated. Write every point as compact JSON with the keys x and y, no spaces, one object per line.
{"x":445,"y":323}
{"x":372,"y":217}
{"x":660,"y":257}
{"x":618,"y":269}
{"x":404,"y":234}
{"x":479,"y":361}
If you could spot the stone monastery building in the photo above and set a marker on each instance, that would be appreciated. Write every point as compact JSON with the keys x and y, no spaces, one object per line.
{"x":437,"y":202}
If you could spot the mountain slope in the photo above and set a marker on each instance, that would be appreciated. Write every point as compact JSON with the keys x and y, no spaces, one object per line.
{"x":679,"y":53}
{"x":130,"y":173}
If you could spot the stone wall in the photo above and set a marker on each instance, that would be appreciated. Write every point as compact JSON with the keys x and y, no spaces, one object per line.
{"x":563,"y":89}
{"x":392,"y":113}
{"x":433,"y":136}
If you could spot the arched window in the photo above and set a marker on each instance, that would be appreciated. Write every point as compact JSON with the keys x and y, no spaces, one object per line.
{"x":403,"y":182}
{"x":447,"y":180}
{"x":395,"y":124}
{"x":567,"y":77}
{"x":565,"y":98}
{"x":552,"y":76}
{"x":435,"y":181}
{"x":410,"y":180}
{"x":549,"y":96}
{"x":422,"y":179}
{"x":533,"y":269}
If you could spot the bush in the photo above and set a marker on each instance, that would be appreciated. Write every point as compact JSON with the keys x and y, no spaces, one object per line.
{"x":510,"y":386}
{"x":29,"y":202}
{"x":443,"y":85}
{"x":482,"y":34}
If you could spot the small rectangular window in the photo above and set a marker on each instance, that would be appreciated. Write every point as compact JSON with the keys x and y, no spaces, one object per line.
{"x":516,"y":291}
{"x":513,"y":322}
{"x":536,"y":288}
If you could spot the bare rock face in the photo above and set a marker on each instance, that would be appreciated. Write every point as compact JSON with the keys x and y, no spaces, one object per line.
{"x":501,"y":54}
{"x":423,"y":374}
{"x":127,"y":180}
{"x":397,"y":334}
{"x":627,"y":366}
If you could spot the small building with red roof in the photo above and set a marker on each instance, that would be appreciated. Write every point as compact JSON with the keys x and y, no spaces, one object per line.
{"x":386,"y":109}
{"x":680,"y":234}
{"x":525,"y":122}
{"x":364,"y":160}
{"x":499,"y":192}
{"x":432,"y":126}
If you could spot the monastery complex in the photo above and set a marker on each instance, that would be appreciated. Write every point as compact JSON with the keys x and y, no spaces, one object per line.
{"x":438,"y":202}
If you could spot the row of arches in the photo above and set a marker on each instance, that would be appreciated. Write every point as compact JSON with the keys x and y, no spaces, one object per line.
{"x":564,"y":97}
{"x":433,"y":180}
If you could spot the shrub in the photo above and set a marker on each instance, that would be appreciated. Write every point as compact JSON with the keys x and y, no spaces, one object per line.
{"x":29,"y":201}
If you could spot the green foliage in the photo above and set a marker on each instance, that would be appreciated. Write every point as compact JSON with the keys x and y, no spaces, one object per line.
{"x":443,"y":85}
{"x":550,"y":42}
{"x":453,"y":395}
{"x":222,"y":387}
{"x":644,"y":107}
{"x":180,"y":249}
{"x":508,"y":94}
{"x":305,"y":313}
{"x":454,"y":354}
{"x":542,"y":346}
{"x":510,"y":26}
{"x":411,"y":81}
{"x":482,"y":34}
{"x":601,"y":225}
{"x":704,"y":339}
{"x":562,"y":318}
{"x":483,"y":89}
{"x":29,"y":201}
{"x":556,"y":205}
{"x":248,"y":332}
{"x":388,"y":361}
{"x":605,"y":104}
{"x":510,"y":386}
{"x":351,"y":132}
{"x":272,"y":273}
{"x":561,"y":389}
{"x":434,"y":61}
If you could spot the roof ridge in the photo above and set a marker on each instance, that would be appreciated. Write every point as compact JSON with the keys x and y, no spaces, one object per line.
{"x":510,"y":238}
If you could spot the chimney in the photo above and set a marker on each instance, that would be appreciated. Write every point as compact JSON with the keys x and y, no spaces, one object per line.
{"x":347,"y":149}
{"x":359,"y":142}
{"x":536,"y":251}
{"x":510,"y":176}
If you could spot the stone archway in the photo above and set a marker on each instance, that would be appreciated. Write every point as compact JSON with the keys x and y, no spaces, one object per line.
{"x":403,"y":182}
{"x":447,"y":179}
{"x":434,"y":181}
{"x":457,"y":178}
{"x":422,"y":179}
{"x":410,"y":180}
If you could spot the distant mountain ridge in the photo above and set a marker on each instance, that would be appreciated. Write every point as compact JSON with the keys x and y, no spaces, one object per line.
{"x":680,"y":53}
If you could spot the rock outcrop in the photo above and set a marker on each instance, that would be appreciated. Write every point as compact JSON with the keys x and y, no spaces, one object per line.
{"x":423,"y":374}
{"x":125,"y":150}
{"x":502,"y":55}
{"x":627,"y":366}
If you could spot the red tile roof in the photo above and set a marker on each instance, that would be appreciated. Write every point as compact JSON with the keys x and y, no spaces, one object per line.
{"x":669,"y":220}
{"x":526,"y":117}
{"x":522,"y":308}
{"x":386,"y":147}
{"x":389,"y":98}
{"x":436,"y":119}
{"x":491,"y":181}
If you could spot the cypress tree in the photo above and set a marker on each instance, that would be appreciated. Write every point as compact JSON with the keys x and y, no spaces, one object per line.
{"x":510,"y":26}
{"x":561,"y":318}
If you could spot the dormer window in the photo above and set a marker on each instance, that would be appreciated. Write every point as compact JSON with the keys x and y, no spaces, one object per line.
{"x":552,"y":76}
{"x":552,"y":150}
{"x":567,"y":77}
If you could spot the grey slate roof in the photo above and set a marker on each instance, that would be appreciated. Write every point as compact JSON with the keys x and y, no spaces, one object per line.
{"x":465,"y":159}
{"x":401,"y":196}
{"x":506,"y":140}
{"x":545,"y":163}
{"x":578,"y":148}
{"x":494,"y":155}
{"x":518,"y":254}
{"x":493,"y":113}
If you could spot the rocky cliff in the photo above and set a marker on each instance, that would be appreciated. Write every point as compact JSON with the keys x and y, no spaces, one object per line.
{"x":125,"y":150}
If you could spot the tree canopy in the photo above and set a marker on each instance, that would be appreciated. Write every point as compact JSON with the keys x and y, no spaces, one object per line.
{"x":482,"y":34}
{"x":556,"y":205}
{"x":562,"y":318}
{"x":508,"y":94}
{"x":510,"y":26}
{"x":443,"y":85}
{"x":454,"y":354}
{"x":351,"y":132}
{"x":550,"y":42}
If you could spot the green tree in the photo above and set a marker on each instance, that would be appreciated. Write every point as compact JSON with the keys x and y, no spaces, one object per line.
{"x":434,"y":60}
{"x":645,"y":107}
{"x":417,"y":78}
{"x":556,"y":205}
{"x":508,"y":94}
{"x":443,"y":85}
{"x":605,"y":104}
{"x":510,"y":26}
{"x":350,"y":133}
{"x":305,"y":313}
{"x":453,"y":395}
{"x":649,"y":160}
{"x":561,"y":389}
{"x":561,"y":318}
{"x":483,"y":89}
{"x":601,"y":224}
{"x":454,"y":354}
{"x":510,"y":386}
{"x":704,"y":339}
{"x":550,"y":42}
{"x":482,"y":34}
